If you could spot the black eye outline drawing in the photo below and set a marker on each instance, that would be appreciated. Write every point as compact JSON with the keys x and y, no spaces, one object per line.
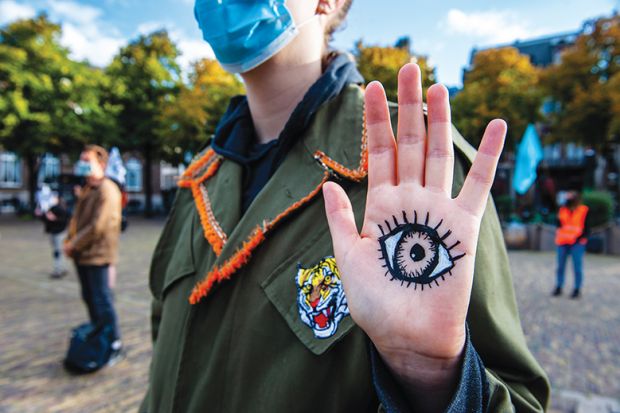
{"x":415,"y":253}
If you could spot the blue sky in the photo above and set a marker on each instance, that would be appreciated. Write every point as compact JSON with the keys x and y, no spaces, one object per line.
{"x":446,"y":31}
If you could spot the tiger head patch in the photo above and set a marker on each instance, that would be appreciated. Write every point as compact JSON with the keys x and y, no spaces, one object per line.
{"x":320,"y":297}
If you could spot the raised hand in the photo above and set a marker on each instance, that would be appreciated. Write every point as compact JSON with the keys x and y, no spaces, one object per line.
{"x":408,"y":275}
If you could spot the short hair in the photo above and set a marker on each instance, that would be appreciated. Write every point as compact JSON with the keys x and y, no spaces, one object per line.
{"x":100,"y":153}
{"x":337,"y":20}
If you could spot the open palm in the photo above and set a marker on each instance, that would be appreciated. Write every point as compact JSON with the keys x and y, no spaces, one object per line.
{"x":408,"y":274}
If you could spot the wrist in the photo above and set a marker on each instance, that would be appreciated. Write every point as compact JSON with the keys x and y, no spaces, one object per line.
{"x":426,"y":373}
{"x":428,"y":381}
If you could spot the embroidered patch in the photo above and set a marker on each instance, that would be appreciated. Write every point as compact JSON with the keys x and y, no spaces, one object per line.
{"x":320,"y":297}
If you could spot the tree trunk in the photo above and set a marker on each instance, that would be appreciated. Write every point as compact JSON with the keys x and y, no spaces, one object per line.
{"x":31,"y":165}
{"x":148,"y":184}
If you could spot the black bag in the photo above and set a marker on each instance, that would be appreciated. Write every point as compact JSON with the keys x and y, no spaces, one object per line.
{"x":90,"y":348}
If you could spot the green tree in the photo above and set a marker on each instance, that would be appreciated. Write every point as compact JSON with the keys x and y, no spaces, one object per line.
{"x":584,"y":86}
{"x":147,"y":78}
{"x":189,"y":120}
{"x":48,"y":103}
{"x":383,"y":64}
{"x":613,"y":89}
{"x":502,"y":83}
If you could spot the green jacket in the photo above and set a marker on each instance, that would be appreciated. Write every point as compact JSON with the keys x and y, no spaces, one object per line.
{"x":243,"y":347}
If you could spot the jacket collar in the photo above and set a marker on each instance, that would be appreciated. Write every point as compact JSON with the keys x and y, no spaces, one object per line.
{"x":333,"y":147}
{"x":337,"y":139}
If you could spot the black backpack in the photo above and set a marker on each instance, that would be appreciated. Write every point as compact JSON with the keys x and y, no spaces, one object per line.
{"x":90,"y":348}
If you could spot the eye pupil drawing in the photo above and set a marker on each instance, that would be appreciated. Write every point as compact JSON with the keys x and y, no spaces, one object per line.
{"x":415,"y":253}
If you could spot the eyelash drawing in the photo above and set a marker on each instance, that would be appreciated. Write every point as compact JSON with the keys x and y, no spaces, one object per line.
{"x":415,"y":253}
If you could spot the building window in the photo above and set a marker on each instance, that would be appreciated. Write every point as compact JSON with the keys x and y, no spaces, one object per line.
{"x":49,"y":170}
{"x":134,"y":175}
{"x":10,"y":170}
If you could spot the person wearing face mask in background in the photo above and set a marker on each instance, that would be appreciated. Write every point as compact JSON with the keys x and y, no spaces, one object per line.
{"x":92,"y":242}
{"x":256,"y":308}
{"x":571,"y":238}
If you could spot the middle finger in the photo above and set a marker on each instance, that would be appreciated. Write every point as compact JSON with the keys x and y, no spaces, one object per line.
{"x":411,"y":128}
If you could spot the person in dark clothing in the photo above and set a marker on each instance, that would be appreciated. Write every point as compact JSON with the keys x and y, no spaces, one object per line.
{"x":571,"y":238}
{"x":55,"y":217}
{"x":56,"y":221}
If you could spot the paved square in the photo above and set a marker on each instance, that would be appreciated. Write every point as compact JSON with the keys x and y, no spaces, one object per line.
{"x":577,"y":341}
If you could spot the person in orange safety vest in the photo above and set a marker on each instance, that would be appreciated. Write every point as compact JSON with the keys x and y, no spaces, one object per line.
{"x":571,"y":239}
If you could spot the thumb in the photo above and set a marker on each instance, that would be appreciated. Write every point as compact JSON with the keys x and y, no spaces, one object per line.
{"x":339,"y":218}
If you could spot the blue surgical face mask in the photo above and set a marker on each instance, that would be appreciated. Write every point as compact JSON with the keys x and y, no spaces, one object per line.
{"x":82,"y":168}
{"x":245,"y":33}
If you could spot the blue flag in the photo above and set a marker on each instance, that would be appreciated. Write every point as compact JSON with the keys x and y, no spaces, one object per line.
{"x":529,"y":155}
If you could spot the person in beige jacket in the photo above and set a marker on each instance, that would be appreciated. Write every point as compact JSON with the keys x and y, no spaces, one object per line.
{"x":93,"y":238}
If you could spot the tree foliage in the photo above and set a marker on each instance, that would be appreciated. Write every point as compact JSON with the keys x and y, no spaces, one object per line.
{"x":146,"y":78}
{"x":586,"y":86}
{"x":51,"y":103}
{"x":383,"y":64}
{"x":188,"y":121}
{"x":48,"y":102}
{"x":502,"y":83}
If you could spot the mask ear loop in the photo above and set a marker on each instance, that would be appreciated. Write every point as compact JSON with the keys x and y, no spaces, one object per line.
{"x":307,"y":21}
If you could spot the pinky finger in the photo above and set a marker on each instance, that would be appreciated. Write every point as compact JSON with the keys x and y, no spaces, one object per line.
{"x":474,"y":194}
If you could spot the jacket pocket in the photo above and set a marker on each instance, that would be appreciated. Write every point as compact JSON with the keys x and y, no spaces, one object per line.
{"x":307,"y":292}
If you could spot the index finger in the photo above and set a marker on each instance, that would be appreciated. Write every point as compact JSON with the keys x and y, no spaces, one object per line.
{"x":381,"y":143}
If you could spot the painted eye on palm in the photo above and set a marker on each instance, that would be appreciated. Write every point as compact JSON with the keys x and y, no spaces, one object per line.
{"x":415,"y":253}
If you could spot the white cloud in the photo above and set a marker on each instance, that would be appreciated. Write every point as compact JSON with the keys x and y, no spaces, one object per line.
{"x":11,"y":10}
{"x":89,"y":44}
{"x":75,"y":12}
{"x":149,"y":27}
{"x":191,"y":49}
{"x":488,"y":26}
{"x":84,"y":33}
{"x":88,"y":37}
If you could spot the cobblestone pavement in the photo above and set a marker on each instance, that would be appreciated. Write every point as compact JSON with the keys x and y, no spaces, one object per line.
{"x":37,"y":313}
{"x":577,"y":341}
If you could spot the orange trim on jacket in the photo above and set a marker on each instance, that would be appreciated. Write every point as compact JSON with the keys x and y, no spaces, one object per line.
{"x":199,"y":172}
{"x":358,"y":174}
{"x":243,"y":255}
{"x":192,"y":179}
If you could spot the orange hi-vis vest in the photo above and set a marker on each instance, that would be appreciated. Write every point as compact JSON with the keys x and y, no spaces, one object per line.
{"x":572,"y":224}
